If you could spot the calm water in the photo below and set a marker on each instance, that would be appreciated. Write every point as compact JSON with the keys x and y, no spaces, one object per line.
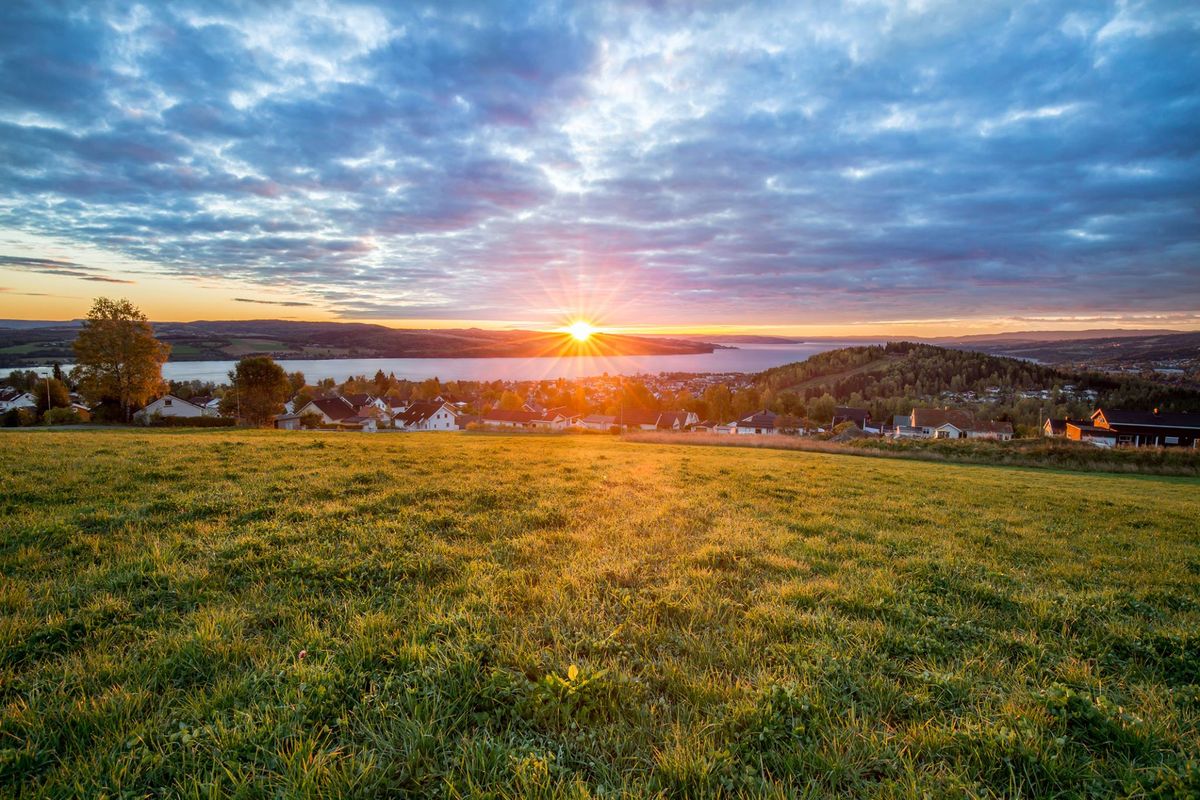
{"x":747,"y":358}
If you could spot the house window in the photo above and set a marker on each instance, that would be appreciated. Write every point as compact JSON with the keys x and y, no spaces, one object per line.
{"x":1172,"y":440}
{"x":166,"y":402}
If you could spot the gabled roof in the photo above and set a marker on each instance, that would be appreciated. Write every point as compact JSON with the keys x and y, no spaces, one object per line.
{"x":8,"y":394}
{"x":334,"y":407}
{"x":993,"y":426}
{"x":637,"y":416}
{"x":420,"y":411}
{"x":759,"y":419}
{"x":858,"y":416}
{"x":360,"y":399}
{"x":172,"y":397}
{"x":500,"y":415}
{"x":599,"y":419}
{"x":936,"y":417}
{"x":1060,"y":425}
{"x":1155,"y":419}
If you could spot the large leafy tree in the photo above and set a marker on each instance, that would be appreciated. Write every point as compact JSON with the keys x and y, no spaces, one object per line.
{"x":51,"y":393}
{"x":117,"y":357}
{"x":260,"y":388}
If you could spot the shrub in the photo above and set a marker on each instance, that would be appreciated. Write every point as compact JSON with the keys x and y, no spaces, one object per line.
{"x":191,"y":422}
{"x":61,"y":416}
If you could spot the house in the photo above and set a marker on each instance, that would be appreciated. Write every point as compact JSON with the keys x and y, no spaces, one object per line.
{"x":902,"y":428}
{"x":1086,"y":432}
{"x":991,"y":429}
{"x":760,"y":423}
{"x":677,"y":420}
{"x":171,"y":406}
{"x":637,"y":419}
{"x":1058,"y":427}
{"x":11,"y":398}
{"x":927,"y":421}
{"x":288,"y":422}
{"x":597,"y":422}
{"x":83,"y":412}
{"x":538,"y":420}
{"x":366,"y":424}
{"x":368,"y":404}
{"x":329,"y":409}
{"x":1149,"y":428}
{"x":705,"y":426}
{"x":861,"y":417}
{"x":950,"y":423}
{"x":429,"y":415}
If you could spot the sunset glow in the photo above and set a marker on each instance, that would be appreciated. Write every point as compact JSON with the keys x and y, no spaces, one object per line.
{"x":581,"y":330}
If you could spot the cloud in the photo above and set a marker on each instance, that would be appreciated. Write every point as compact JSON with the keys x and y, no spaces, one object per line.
{"x":774,"y":162}
{"x":287,"y":303}
{"x":49,"y":266}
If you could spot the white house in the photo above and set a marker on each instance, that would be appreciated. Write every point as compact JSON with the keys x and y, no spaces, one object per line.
{"x":597,"y":422}
{"x":329,"y":409}
{"x":429,"y":416}
{"x":539,"y":420}
{"x":760,"y":424}
{"x":171,"y":406}
{"x":11,"y":398}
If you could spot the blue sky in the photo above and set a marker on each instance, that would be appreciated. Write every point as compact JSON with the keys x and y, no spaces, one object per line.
{"x":786,"y":165}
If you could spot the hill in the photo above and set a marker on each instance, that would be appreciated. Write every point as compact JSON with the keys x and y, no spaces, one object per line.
{"x":289,"y":614}
{"x":1105,"y":351}
{"x":221,"y":340}
{"x":891,"y":378}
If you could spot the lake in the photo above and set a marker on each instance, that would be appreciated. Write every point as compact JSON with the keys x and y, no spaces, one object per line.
{"x":746,"y":358}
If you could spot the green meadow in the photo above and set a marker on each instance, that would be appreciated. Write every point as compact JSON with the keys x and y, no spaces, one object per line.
{"x":274,"y":614}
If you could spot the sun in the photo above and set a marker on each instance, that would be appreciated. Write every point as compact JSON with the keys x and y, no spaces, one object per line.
{"x":580,"y":330}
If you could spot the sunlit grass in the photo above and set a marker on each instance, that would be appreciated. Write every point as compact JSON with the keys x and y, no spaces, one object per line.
{"x":580,"y":616}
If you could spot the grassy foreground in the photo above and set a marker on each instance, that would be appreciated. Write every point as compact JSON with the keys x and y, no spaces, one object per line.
{"x":262,"y":614}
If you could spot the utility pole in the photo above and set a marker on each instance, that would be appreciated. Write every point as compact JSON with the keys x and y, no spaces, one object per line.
{"x":47,"y":401}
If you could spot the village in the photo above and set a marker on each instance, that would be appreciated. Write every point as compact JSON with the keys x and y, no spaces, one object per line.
{"x":334,"y":410}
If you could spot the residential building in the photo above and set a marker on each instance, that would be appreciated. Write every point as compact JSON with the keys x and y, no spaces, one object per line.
{"x":759,"y":423}
{"x":171,"y":406}
{"x":429,"y":415}
{"x":1149,"y":428}
{"x":861,"y":417}
{"x":10,"y":398}
{"x":329,"y":409}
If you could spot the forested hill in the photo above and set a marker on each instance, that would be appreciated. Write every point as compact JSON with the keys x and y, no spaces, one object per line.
{"x":890,"y":377}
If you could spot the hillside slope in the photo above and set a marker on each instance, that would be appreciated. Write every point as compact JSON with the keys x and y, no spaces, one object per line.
{"x":286,"y":614}
{"x":900,"y":373}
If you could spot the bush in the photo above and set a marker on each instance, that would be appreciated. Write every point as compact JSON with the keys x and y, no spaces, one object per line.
{"x":61,"y":416}
{"x":191,"y":422}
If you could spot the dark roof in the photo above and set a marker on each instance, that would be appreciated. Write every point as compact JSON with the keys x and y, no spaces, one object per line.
{"x":993,"y":426}
{"x":937,"y":417}
{"x":669,"y":419}
{"x":8,"y":394}
{"x":1092,"y":429}
{"x":602,"y":419}
{"x":1164,"y":419}
{"x":335,"y":407}
{"x":502,"y":415}
{"x":1060,"y":425}
{"x":858,"y":416}
{"x":419,"y":412}
{"x":636,"y":416}
{"x":360,"y":399}
{"x":760,"y":419}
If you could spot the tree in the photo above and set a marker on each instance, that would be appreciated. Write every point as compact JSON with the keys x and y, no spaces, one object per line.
{"x":117,"y":357}
{"x":260,"y":388}
{"x":51,"y":393}
{"x":510,"y":401}
{"x":296,"y":381}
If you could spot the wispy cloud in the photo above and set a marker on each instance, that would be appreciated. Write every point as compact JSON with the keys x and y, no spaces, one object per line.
{"x":778,"y":162}
{"x":285,"y":303}
{"x":49,"y":266}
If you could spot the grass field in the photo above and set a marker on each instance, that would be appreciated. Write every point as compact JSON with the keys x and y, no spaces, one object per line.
{"x":260,"y":614}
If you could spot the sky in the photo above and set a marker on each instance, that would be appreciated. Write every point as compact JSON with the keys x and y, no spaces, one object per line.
{"x":847,"y":167}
